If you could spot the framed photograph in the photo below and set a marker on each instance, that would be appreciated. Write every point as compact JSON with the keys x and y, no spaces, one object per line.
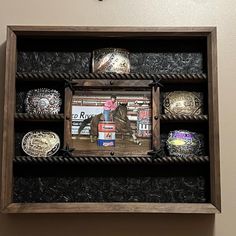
{"x":112,"y":121}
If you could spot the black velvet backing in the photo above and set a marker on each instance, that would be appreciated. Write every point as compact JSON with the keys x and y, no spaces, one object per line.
{"x":62,"y":183}
{"x":161,"y":63}
{"x":111,"y":184}
{"x":101,"y":189}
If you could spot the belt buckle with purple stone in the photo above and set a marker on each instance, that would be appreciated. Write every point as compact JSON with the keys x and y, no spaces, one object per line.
{"x":183,"y":143}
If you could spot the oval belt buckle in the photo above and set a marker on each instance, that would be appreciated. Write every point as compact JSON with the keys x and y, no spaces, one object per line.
{"x":43,"y":101}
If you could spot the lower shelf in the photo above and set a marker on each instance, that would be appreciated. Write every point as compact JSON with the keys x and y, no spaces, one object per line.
{"x":50,"y":183}
{"x":205,"y":208}
{"x":111,"y":184}
{"x":112,"y":160}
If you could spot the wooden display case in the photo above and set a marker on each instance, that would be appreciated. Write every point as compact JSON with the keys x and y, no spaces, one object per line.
{"x":85,"y":180}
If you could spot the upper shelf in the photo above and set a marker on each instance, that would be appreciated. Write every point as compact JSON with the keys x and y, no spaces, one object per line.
{"x":74,"y":77}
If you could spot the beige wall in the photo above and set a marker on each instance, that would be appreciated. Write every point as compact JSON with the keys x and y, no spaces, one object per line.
{"x":220,"y":13}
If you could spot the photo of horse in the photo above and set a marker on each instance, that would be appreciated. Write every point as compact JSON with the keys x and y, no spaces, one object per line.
{"x":117,"y":121}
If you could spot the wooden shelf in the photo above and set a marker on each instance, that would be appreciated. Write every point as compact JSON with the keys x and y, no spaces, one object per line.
{"x":111,"y":160}
{"x":115,"y":207}
{"x":193,"y":208}
{"x":37,"y":117}
{"x":74,"y":77}
{"x":184,"y":118}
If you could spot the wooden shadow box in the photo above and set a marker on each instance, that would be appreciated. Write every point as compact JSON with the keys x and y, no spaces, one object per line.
{"x":82,"y":176}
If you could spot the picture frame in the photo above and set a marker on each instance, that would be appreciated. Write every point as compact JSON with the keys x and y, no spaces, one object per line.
{"x":133,"y":148}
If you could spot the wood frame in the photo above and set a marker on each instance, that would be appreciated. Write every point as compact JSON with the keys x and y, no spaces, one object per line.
{"x":9,"y":109}
{"x":116,"y":85}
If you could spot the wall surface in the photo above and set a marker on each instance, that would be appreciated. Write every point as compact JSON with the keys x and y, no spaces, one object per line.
{"x":138,"y":13}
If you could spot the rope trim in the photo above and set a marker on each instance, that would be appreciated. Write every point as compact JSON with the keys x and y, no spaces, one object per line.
{"x":184,"y":117}
{"x":134,"y":76}
{"x":111,"y":160}
{"x":26,"y":116}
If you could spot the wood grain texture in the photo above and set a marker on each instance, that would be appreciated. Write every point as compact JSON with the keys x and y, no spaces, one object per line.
{"x":109,"y":153}
{"x":205,"y":208}
{"x":156,"y":136}
{"x":8,"y":119}
{"x":213,"y":113}
{"x":111,"y":31}
{"x":68,"y":117}
{"x":111,"y":83}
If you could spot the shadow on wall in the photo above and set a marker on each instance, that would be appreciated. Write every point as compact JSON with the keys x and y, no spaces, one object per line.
{"x":107,"y":224}
{"x":100,"y":224}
